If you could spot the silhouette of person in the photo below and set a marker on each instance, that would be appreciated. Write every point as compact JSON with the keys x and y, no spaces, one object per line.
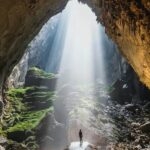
{"x":81,"y":137}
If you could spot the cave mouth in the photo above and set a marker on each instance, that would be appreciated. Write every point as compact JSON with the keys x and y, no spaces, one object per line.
{"x":70,"y":78}
{"x":78,"y":40}
{"x":75,"y":46}
{"x":77,"y":56}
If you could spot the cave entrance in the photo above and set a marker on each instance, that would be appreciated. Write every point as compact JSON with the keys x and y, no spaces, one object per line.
{"x":76,"y":45}
{"x":73,"y":79}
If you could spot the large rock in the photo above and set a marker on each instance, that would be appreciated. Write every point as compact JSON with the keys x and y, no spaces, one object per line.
{"x":121,"y":92}
{"x":37,"y":77}
{"x":50,"y":132}
{"x":17,"y":76}
{"x":18,"y":136}
{"x":145,"y":127}
{"x":146,"y":106}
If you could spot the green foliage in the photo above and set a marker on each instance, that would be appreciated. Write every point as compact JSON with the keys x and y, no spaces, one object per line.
{"x":15,"y":97}
{"x":25,"y":110}
{"x":2,"y":132}
{"x":18,"y":92}
{"x":29,"y":120}
{"x":40,"y":73}
{"x":20,"y":116}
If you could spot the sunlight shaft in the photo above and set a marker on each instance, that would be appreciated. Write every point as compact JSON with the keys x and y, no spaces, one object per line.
{"x":79,"y":58}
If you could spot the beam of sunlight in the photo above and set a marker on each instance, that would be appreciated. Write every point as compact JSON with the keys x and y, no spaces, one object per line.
{"x":76,"y":54}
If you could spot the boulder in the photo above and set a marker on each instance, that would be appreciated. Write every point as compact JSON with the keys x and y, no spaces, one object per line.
{"x":37,"y":77}
{"x":18,"y":136}
{"x":131,"y":107}
{"x":147,"y":106}
{"x":49,"y":132}
{"x":120,"y":93}
{"x":145,"y":127}
{"x":16,"y":146}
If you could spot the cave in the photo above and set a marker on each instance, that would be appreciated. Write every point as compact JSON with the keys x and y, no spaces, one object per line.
{"x":74,"y":75}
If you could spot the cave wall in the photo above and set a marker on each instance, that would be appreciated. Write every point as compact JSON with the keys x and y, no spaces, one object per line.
{"x":127,"y":23}
{"x":20,"y":22}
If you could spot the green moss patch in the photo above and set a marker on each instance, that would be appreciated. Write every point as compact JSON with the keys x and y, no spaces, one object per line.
{"x":40,"y":73}
{"x":27,"y":107}
{"x":29,"y":120}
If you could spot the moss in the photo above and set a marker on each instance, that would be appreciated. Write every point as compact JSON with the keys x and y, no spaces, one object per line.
{"x":15,"y":97}
{"x":18,"y":92}
{"x":25,"y":110}
{"x":40,"y":73}
{"x":2,"y":132}
{"x":19,"y":117}
{"x":29,"y":120}
{"x":35,"y":96}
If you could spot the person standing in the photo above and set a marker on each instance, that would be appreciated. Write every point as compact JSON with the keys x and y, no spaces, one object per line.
{"x":80,"y":136}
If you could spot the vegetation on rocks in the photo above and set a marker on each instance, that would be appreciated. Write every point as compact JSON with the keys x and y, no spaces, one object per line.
{"x":26,"y":109}
{"x":37,"y":77}
{"x":40,"y":73}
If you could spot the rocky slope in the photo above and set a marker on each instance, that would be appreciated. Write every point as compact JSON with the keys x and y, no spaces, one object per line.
{"x":127,"y":23}
{"x":109,"y":121}
{"x":29,"y":114}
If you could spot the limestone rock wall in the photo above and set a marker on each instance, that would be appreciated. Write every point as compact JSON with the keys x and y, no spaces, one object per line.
{"x":127,"y":23}
{"x":17,"y":76}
